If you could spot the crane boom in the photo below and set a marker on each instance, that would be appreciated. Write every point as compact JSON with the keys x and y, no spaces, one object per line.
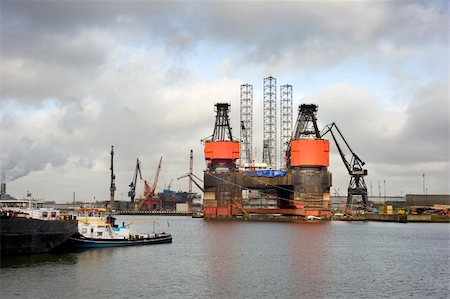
{"x":191,"y":177}
{"x":155,"y":182}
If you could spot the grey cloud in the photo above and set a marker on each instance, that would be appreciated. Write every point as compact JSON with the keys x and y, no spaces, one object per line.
{"x":261,"y":30}
{"x":330,"y":29}
{"x":72,"y":115}
{"x":395,"y":143}
{"x":42,"y":81}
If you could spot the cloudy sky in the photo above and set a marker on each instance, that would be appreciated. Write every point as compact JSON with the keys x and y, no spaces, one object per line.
{"x":78,"y":77}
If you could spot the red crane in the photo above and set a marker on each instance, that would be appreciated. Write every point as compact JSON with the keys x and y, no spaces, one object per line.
{"x":149,"y":192}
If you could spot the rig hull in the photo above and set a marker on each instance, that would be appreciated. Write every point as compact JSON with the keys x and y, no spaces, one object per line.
{"x":300,"y":192}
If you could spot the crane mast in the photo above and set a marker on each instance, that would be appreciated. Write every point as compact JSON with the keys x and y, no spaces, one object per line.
{"x":357,"y":186}
{"x":112,"y":188}
{"x":191,"y":168}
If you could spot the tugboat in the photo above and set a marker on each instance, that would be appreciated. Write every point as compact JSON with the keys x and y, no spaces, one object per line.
{"x":95,"y":229}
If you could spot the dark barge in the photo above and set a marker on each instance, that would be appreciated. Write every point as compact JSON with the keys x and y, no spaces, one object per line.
{"x":20,"y":235}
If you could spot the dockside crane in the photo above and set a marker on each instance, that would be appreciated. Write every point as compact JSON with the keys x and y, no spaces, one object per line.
{"x":149,"y":192}
{"x":137,"y":170}
{"x":357,"y":186}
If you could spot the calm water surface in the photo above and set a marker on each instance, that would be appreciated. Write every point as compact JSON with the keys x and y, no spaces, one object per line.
{"x":247,"y":260}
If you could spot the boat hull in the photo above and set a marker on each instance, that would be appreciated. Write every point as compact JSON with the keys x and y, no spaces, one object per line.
{"x":79,"y":241}
{"x":26,"y":236}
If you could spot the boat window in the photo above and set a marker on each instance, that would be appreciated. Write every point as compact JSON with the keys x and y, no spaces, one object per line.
{"x":53,"y":214}
{"x":44,"y":214}
{"x":99,"y":234}
{"x":92,"y":229}
{"x":84,"y":230}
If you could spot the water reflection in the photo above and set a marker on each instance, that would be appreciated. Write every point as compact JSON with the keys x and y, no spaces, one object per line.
{"x":287,"y":259}
{"x":33,"y":260}
{"x":309,"y":247}
{"x":220,"y":254}
{"x":215,"y":259}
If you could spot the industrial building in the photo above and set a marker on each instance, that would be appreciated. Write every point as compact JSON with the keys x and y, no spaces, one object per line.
{"x":427,"y":200}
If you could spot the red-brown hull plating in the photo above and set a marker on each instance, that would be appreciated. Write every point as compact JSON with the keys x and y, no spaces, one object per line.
{"x":298,"y":193}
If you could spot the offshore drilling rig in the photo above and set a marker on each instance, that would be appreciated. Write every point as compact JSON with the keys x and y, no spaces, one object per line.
{"x":235,"y":185}
{"x":301,"y":190}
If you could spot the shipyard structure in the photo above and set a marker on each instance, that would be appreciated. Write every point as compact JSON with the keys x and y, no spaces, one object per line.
{"x":235,"y":185}
{"x":298,"y":190}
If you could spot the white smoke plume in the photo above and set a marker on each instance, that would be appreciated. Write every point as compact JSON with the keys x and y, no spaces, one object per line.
{"x":24,"y":156}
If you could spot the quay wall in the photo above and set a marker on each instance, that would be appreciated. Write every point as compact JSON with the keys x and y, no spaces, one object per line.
{"x":409,"y":218}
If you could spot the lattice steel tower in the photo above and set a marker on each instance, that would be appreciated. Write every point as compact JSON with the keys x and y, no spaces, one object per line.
{"x":285,"y":121}
{"x":270,"y":122}
{"x":246,"y":123}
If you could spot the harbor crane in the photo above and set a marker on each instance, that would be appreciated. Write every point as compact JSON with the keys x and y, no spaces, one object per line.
{"x":357,"y":186}
{"x":137,"y":170}
{"x":149,"y":192}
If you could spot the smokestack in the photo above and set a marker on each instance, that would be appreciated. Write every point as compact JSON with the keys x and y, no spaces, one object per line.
{"x":3,"y":188}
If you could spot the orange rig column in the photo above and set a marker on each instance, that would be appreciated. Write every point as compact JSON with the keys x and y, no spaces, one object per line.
{"x":308,"y":159}
{"x":221,"y":153}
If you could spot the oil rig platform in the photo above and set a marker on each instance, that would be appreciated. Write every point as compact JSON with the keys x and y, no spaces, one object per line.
{"x":300,"y":190}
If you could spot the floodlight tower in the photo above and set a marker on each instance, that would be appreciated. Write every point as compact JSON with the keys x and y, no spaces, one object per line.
{"x":285,"y":121}
{"x":246,"y":123}
{"x":270,"y":122}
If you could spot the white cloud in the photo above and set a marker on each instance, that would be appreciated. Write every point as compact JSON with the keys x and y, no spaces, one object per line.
{"x":77,"y":78}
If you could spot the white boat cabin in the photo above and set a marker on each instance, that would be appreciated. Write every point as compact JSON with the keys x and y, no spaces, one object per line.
{"x":93,"y":223}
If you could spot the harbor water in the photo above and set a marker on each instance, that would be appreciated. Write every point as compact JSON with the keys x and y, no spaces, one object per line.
{"x":232,"y":259}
